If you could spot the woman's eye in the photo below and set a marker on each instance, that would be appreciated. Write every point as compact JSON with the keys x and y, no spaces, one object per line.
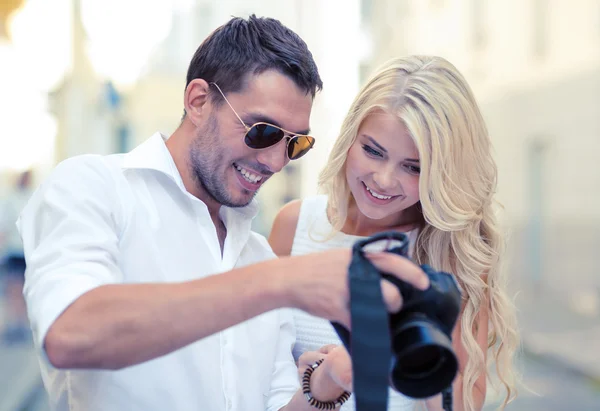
{"x":371,"y":151}
{"x":413,"y":169}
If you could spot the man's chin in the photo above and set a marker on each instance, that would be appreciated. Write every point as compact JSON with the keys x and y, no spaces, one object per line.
{"x":240,"y":200}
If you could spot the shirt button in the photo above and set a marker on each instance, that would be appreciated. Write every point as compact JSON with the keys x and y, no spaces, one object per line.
{"x":228,"y":404}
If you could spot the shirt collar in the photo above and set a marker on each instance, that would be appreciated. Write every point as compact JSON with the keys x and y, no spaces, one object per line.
{"x":153,"y":154}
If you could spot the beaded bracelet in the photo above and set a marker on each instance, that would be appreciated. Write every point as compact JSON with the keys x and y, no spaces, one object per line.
{"x":321,"y":405}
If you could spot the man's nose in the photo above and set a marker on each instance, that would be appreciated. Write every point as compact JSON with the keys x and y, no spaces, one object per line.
{"x":274,"y":158}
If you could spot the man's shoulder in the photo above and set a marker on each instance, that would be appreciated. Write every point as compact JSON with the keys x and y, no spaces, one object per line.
{"x":80,"y":177}
{"x":86,"y":170}
{"x":79,"y":184}
{"x":91,"y":162}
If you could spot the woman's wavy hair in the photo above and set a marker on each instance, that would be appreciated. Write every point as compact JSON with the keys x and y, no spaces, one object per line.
{"x":457,"y":184}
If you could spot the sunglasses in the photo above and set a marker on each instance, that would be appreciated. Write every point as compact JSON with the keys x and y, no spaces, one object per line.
{"x":263,"y":135}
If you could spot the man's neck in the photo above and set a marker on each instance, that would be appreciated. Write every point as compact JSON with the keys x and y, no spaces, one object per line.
{"x":177,"y":145}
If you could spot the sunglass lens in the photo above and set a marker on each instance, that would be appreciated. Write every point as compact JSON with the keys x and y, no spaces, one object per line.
{"x":263,"y":136}
{"x":299,"y":145}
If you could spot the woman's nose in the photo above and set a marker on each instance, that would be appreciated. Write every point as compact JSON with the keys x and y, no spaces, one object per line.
{"x":385,"y":179}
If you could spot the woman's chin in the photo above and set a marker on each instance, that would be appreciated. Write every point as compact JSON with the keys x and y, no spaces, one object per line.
{"x":373,"y":212}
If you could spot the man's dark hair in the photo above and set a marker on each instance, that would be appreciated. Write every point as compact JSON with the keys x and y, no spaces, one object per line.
{"x":253,"y":46}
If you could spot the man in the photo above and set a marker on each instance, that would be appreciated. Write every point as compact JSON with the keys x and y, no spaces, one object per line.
{"x":146,"y":288}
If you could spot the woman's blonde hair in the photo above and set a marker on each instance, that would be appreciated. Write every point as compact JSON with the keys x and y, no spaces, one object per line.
{"x":457,"y":184}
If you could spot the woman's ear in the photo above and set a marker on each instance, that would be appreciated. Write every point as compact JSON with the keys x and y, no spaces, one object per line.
{"x":195,"y":99}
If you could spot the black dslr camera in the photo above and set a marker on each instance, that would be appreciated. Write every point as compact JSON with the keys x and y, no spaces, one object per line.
{"x":423,"y":362}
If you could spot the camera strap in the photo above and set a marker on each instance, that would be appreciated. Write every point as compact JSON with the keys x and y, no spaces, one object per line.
{"x":369,"y":344}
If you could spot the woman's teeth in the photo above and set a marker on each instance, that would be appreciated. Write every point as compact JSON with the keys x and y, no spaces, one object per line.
{"x":376,"y":195}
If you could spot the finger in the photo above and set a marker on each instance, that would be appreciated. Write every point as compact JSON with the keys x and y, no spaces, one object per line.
{"x":309,"y":358}
{"x":326,"y":349}
{"x":340,"y":367}
{"x":400,"y":267}
{"x":391,"y":296}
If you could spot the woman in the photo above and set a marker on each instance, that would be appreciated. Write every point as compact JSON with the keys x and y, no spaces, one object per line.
{"x":414,"y":155}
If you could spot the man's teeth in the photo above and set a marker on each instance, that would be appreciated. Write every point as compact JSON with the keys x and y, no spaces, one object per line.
{"x":252,"y":178}
{"x":379,"y":196}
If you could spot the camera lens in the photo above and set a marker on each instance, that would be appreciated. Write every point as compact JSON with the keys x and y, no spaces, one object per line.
{"x":423,"y":362}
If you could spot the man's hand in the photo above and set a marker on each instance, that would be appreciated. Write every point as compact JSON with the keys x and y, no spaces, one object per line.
{"x":318,"y":282}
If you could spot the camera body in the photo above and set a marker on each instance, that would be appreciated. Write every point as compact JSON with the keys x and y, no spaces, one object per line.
{"x":423,"y":362}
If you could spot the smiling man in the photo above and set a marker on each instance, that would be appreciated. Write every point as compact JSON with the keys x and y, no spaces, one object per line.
{"x":145,"y":286}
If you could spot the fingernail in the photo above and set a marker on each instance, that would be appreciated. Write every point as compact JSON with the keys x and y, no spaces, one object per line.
{"x":375,"y":254}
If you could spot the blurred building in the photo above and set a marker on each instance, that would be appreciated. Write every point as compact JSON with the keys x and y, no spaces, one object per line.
{"x":96,"y":85}
{"x":534,"y":66}
{"x":122,"y":85}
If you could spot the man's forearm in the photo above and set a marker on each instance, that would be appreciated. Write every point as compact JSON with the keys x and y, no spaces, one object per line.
{"x":115,"y":326}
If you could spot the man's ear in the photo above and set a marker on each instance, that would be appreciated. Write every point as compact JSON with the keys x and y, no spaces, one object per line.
{"x":195,"y":99}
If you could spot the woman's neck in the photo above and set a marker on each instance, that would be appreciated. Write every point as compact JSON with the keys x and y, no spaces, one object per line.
{"x":358,"y":224}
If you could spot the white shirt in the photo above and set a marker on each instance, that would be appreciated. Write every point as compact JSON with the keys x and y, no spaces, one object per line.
{"x":127,"y":218}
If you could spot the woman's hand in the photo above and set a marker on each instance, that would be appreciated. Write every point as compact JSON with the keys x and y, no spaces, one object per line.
{"x":339,"y":367}
{"x":333,"y":375}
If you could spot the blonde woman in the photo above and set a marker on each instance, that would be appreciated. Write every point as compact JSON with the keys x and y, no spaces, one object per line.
{"x":414,"y":155}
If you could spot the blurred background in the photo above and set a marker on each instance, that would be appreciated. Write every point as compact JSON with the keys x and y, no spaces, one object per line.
{"x":100,"y":76}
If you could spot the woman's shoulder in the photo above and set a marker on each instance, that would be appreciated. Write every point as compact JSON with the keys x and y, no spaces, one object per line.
{"x":310,"y":203}
{"x":291,"y":213}
{"x":284,"y":226}
{"x":297,"y":215}
{"x":288,"y":215}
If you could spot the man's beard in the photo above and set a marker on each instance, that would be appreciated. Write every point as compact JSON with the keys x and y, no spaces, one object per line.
{"x":206,"y":160}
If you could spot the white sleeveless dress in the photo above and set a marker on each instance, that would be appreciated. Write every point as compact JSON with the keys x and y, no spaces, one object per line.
{"x":313,"y":332}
